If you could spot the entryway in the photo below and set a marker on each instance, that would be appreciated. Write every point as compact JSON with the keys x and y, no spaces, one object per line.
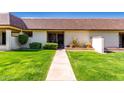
{"x":56,"y":37}
{"x":121,"y":40}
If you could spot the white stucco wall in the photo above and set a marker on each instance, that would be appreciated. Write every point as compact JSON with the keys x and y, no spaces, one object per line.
{"x":38,"y":36}
{"x":8,"y":39}
{"x":111,"y":38}
{"x":14,"y":43}
{"x":82,"y":36}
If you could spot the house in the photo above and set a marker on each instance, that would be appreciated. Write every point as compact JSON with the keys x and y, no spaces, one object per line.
{"x":62,"y":31}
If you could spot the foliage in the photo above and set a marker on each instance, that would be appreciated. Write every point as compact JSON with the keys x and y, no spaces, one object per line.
{"x":35,"y":45}
{"x":50,"y":46}
{"x":23,"y":39}
{"x":88,"y":45}
{"x":75,"y":43}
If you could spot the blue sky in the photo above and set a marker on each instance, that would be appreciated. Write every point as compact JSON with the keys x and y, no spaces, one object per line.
{"x":70,"y":14}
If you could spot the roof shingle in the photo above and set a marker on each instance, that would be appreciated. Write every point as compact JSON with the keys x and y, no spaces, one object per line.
{"x":86,"y":24}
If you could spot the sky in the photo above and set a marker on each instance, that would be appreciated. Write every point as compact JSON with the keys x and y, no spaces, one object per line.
{"x":70,"y":14}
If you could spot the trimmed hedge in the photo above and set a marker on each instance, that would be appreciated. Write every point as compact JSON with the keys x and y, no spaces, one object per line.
{"x":50,"y":46}
{"x":23,"y":39}
{"x":35,"y":45}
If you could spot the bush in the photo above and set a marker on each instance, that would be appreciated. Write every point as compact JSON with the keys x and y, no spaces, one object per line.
{"x":88,"y":45}
{"x":50,"y":46}
{"x":35,"y":45}
{"x":23,"y":39}
{"x":75,"y":43}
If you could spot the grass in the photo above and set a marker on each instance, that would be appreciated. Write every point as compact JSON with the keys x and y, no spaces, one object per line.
{"x":92,"y":66}
{"x":25,"y":65}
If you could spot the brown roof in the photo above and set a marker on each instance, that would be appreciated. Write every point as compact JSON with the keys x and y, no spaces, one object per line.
{"x":17,"y":22}
{"x":8,"y":19}
{"x":79,"y":24}
{"x":86,"y":24}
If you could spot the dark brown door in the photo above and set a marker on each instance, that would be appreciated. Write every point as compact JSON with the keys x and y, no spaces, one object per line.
{"x":61,"y":40}
{"x":123,"y":41}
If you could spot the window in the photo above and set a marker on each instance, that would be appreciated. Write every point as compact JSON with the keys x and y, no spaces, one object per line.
{"x":3,"y":38}
{"x":29,"y":33}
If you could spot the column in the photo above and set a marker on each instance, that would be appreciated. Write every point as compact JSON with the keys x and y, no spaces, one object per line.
{"x":8,"y":39}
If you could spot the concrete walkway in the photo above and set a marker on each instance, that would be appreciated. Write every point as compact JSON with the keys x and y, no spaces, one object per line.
{"x":60,"y":68}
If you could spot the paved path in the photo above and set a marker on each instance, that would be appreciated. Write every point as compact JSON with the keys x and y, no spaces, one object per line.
{"x":60,"y":68}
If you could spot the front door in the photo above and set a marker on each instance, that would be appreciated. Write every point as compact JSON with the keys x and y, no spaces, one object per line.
{"x":56,"y":37}
{"x":61,"y":40}
{"x":121,"y":40}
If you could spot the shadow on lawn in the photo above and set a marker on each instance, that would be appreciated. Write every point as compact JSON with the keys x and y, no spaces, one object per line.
{"x":109,"y":52}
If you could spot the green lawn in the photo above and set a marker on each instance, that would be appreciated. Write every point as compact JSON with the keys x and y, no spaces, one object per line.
{"x":25,"y":65}
{"x":94,"y":66}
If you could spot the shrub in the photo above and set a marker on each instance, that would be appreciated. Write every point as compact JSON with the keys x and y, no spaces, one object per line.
{"x":88,"y":45}
{"x":50,"y":46}
{"x":23,"y":39}
{"x":35,"y":45}
{"x":75,"y":43}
